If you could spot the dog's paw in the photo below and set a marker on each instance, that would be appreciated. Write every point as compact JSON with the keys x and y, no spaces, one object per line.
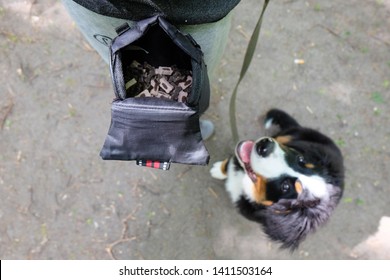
{"x":268,"y":123}
{"x":272,"y":118}
{"x":218,"y":171}
{"x":279,"y":118}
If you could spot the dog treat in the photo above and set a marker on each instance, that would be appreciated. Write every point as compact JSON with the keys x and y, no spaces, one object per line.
{"x":165,"y":85}
{"x":144,"y":93}
{"x":187,"y":83}
{"x":130,"y":83}
{"x":135,"y":64}
{"x":164,"y":71}
{"x":168,"y":82}
{"x":182,"y":96}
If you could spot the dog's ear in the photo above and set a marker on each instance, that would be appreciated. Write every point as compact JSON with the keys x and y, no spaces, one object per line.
{"x":289,"y":221}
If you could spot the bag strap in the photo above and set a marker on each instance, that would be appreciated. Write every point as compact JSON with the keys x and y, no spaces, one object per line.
{"x":247,"y":61}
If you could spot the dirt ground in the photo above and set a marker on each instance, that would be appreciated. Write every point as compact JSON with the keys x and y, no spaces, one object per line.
{"x":325,"y":62}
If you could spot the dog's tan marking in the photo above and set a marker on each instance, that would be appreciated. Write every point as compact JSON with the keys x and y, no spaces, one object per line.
{"x":309,"y":165}
{"x":298,"y":186}
{"x":284,"y":139}
{"x":267,"y":202}
{"x":259,"y":191}
{"x":224,"y":166}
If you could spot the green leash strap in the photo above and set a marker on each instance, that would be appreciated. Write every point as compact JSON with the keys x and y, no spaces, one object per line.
{"x":247,"y":61}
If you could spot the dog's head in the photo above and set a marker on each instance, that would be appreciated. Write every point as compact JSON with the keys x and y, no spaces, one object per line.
{"x":297,"y":182}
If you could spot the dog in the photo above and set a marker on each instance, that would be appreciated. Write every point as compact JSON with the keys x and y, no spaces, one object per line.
{"x":290,"y":183}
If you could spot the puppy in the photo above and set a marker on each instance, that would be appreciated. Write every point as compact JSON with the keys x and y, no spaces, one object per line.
{"x":289,"y":183}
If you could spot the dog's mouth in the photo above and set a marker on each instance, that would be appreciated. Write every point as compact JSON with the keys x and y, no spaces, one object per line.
{"x":243,"y":152}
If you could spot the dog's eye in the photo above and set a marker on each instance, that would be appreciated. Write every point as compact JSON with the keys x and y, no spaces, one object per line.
{"x":301,"y":160}
{"x":285,"y":187}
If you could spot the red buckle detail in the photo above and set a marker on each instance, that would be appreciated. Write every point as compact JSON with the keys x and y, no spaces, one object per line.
{"x":154,"y":164}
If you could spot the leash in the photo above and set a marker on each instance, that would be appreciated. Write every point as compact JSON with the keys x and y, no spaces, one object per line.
{"x":247,"y":61}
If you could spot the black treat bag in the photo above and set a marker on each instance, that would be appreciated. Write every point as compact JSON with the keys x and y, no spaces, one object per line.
{"x":161,"y":87}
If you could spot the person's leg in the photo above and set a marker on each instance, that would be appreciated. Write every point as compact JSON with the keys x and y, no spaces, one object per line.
{"x":100,"y":30}
{"x":212,"y":37}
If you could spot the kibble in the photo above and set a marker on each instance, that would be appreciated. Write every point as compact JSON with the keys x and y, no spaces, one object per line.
{"x":166,"y":82}
{"x":164,"y":71}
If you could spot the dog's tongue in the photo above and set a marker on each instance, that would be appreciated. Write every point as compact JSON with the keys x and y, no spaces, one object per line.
{"x":244,"y":151}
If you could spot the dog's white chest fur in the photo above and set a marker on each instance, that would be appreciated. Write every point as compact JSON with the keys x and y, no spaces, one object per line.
{"x":237,"y":183}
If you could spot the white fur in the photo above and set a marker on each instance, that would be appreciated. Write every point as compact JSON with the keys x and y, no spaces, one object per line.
{"x":316,"y":186}
{"x":234,"y":183}
{"x":237,"y":183}
{"x":268,"y":124}
{"x":273,"y":166}
{"x":248,"y":188}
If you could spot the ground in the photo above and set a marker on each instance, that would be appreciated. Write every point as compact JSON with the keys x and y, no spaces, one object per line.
{"x":325,"y":62}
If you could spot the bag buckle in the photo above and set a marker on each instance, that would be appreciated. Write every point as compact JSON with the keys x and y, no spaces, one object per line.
{"x":122,"y":28}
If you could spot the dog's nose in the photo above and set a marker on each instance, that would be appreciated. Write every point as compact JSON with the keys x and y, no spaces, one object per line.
{"x":265,"y":147}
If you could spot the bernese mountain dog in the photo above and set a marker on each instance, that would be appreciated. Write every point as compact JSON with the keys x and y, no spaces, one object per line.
{"x":289,"y":183}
